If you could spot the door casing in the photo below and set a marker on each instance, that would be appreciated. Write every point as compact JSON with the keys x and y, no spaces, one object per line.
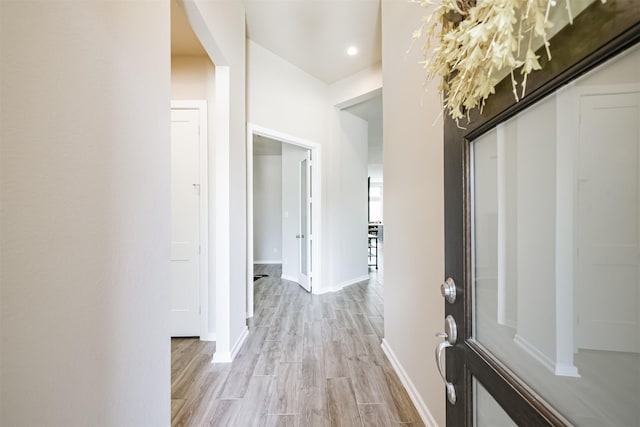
{"x":316,"y":190}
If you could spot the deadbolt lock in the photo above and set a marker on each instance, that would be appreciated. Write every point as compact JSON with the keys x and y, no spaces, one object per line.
{"x":448,"y":290}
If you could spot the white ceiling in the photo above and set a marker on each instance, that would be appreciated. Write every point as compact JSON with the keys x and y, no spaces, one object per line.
{"x":314,"y":34}
{"x":311,"y":34}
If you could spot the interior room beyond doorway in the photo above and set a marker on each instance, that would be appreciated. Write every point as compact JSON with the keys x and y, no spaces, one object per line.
{"x":283,"y":208}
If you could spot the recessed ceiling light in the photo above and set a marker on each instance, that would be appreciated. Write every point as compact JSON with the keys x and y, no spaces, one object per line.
{"x":352,"y":51}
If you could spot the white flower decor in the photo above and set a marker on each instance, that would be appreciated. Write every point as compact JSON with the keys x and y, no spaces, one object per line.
{"x":477,"y":41}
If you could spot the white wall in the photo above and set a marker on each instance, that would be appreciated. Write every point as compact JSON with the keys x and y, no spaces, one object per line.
{"x":220,"y":27}
{"x":85,"y":220}
{"x":192,"y":77}
{"x":622,"y":70}
{"x":283,"y":98}
{"x":267,"y":209}
{"x":375,"y":143}
{"x":536,"y":195}
{"x":376,"y":173}
{"x":352,"y":262}
{"x":485,"y":203}
{"x":510,"y":152}
{"x":291,"y":158}
{"x":413,"y":206}
{"x":342,"y":181}
{"x":357,"y":88}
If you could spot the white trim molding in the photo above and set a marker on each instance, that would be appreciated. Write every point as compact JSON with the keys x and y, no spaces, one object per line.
{"x":327,"y":289}
{"x":221,"y":185}
{"x":239,"y":343}
{"x":229,"y":356}
{"x":222,"y":357}
{"x":289,"y":278}
{"x":559,"y":369}
{"x":362,"y":278}
{"x":208,"y":337}
{"x":266,"y":262}
{"x":423,"y":410}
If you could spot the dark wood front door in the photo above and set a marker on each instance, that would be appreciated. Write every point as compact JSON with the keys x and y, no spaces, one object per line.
{"x":485,"y":366}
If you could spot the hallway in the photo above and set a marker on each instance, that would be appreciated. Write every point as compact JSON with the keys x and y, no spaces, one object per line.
{"x":309,"y":360}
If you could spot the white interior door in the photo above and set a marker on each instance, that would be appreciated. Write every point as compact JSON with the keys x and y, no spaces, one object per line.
{"x":607,"y":287}
{"x":185,"y":202}
{"x":304,"y":231}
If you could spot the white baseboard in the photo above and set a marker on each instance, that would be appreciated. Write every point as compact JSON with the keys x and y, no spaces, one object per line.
{"x":509,"y":323}
{"x":267,"y":262}
{"x":423,"y":410}
{"x":559,"y":369}
{"x":354,"y":281}
{"x":222,"y":357}
{"x":238,"y":345}
{"x":289,"y":278}
{"x":325,"y":290}
{"x":228,"y":356}
{"x":534,"y":352}
{"x":319,"y":291}
{"x":208,"y":337}
{"x":567,"y":370}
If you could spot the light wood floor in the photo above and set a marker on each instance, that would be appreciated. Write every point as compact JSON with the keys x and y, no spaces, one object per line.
{"x":309,"y":360}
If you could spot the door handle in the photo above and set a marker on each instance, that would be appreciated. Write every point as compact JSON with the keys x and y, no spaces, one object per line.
{"x":299,"y":236}
{"x":450,"y":338}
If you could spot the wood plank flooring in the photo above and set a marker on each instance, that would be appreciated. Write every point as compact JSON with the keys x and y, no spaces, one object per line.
{"x":309,"y":360}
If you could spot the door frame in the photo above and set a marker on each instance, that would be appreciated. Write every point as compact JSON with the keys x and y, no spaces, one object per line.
{"x":316,"y":213}
{"x":203,"y":274}
{"x":576,"y":51}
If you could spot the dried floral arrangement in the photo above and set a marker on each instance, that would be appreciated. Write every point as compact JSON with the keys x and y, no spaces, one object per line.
{"x":477,"y":41}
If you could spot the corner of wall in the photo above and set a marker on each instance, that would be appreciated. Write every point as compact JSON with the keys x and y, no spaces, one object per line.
{"x":414,"y":395}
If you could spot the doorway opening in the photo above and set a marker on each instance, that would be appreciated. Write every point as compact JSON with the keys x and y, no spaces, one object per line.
{"x":369,"y":109}
{"x":286,"y":229}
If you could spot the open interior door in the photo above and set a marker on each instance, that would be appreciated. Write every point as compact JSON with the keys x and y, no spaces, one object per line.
{"x":304,"y":231}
